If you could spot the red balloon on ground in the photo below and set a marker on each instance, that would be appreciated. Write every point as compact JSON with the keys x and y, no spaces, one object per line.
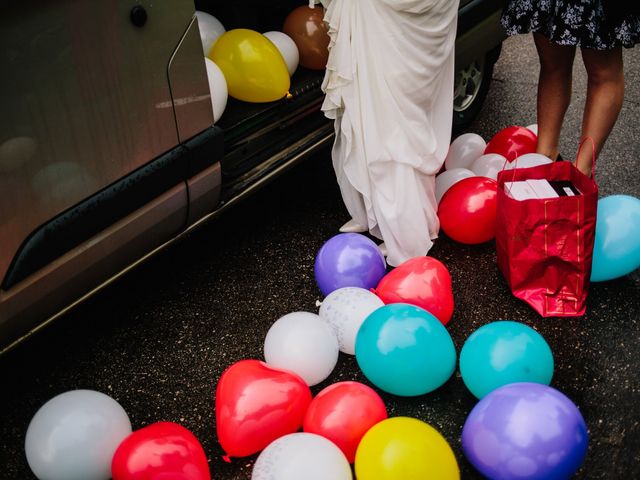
{"x":343,"y":413}
{"x":421,"y":281}
{"x":511,"y":142}
{"x":161,"y":450}
{"x":467,"y":211}
{"x":256,"y":404}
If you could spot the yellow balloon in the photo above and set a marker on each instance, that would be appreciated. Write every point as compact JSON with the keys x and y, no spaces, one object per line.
{"x":403,"y":448}
{"x":252,"y":65}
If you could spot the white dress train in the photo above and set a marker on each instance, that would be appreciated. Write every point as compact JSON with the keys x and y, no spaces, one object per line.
{"x":389,"y":88}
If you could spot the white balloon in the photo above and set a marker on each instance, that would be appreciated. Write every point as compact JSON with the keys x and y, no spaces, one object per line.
{"x":488,"y":165}
{"x":287,"y":48}
{"x":210,"y":29}
{"x":303,"y":343}
{"x":533,"y":127}
{"x":74,"y":436}
{"x":528,"y":160}
{"x":345,"y":309}
{"x":448,"y":178}
{"x":218,"y":89}
{"x":464,"y":150}
{"x":301,"y":456}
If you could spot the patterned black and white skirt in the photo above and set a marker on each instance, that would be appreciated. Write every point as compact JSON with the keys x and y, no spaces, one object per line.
{"x":595,"y":24}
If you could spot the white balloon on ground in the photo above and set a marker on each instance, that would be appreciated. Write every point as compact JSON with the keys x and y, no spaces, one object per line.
{"x":217,"y":88}
{"x":448,"y":178}
{"x":345,"y":309}
{"x":287,"y":48}
{"x":301,"y":455}
{"x":533,"y":127}
{"x":528,"y":160}
{"x":489,"y":165}
{"x":464,"y":150}
{"x":74,"y":436}
{"x":210,"y":29}
{"x":303,"y":343}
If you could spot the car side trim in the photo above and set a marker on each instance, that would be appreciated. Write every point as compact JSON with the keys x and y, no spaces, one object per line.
{"x":113,"y":203}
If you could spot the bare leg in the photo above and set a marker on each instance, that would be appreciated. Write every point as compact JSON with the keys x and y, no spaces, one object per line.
{"x":605,"y":92}
{"x":554,"y":92}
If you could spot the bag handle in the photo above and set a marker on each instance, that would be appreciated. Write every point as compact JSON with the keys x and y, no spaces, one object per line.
{"x":584,"y":140}
{"x":513,"y":176}
{"x":593,"y":154}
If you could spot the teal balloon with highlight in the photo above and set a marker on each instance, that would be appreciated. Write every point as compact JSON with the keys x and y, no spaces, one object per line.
{"x":616,"y":249}
{"x":504,"y":352}
{"x":405,"y":350}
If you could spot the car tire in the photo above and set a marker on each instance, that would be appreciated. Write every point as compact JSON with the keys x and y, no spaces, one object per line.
{"x":470,"y":89}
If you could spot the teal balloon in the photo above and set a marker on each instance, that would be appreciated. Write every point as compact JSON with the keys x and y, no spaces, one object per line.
{"x":504,"y":352}
{"x":616,"y":250}
{"x":405,"y":350}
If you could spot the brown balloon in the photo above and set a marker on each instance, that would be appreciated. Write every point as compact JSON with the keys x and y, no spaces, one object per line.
{"x":309,"y":32}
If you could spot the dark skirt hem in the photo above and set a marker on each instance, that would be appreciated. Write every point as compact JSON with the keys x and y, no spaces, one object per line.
{"x":629,"y":42}
{"x":573,"y":22}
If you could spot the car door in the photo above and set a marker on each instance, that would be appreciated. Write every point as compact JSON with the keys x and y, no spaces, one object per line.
{"x":98,"y":100}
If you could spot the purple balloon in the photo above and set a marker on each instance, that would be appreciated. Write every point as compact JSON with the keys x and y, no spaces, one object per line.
{"x":349,"y":260}
{"x":525,"y":431}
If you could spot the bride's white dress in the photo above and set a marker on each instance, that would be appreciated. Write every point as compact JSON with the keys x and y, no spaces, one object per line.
{"x":389,"y":88}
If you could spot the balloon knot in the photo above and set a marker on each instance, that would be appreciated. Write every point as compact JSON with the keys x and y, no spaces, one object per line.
{"x":289,"y":95}
{"x":226,"y":458}
{"x":373,"y":290}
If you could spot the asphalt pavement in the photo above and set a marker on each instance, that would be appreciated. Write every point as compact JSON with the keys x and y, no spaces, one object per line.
{"x":158,"y":340}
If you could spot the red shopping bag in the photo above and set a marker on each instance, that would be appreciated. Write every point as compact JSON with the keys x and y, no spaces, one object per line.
{"x":544,"y":246}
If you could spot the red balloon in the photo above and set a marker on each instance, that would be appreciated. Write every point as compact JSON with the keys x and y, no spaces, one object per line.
{"x":256,"y":404}
{"x":421,"y":281}
{"x":467,"y":210}
{"x":343,"y":413}
{"x":511,"y":142}
{"x":160,"y":451}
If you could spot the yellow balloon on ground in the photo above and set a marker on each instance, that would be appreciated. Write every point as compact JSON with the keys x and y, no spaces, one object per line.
{"x":252,"y":65}
{"x":403,"y":448}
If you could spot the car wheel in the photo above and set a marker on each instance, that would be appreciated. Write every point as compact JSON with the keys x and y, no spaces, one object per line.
{"x":470,"y":89}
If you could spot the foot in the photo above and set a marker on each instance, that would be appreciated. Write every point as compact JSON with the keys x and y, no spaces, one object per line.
{"x":352,"y":227}
{"x":383,"y":249}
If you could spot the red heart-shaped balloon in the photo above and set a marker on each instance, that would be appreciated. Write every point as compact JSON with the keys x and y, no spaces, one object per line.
{"x":160,"y":451}
{"x":421,"y":281}
{"x":256,"y":404}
